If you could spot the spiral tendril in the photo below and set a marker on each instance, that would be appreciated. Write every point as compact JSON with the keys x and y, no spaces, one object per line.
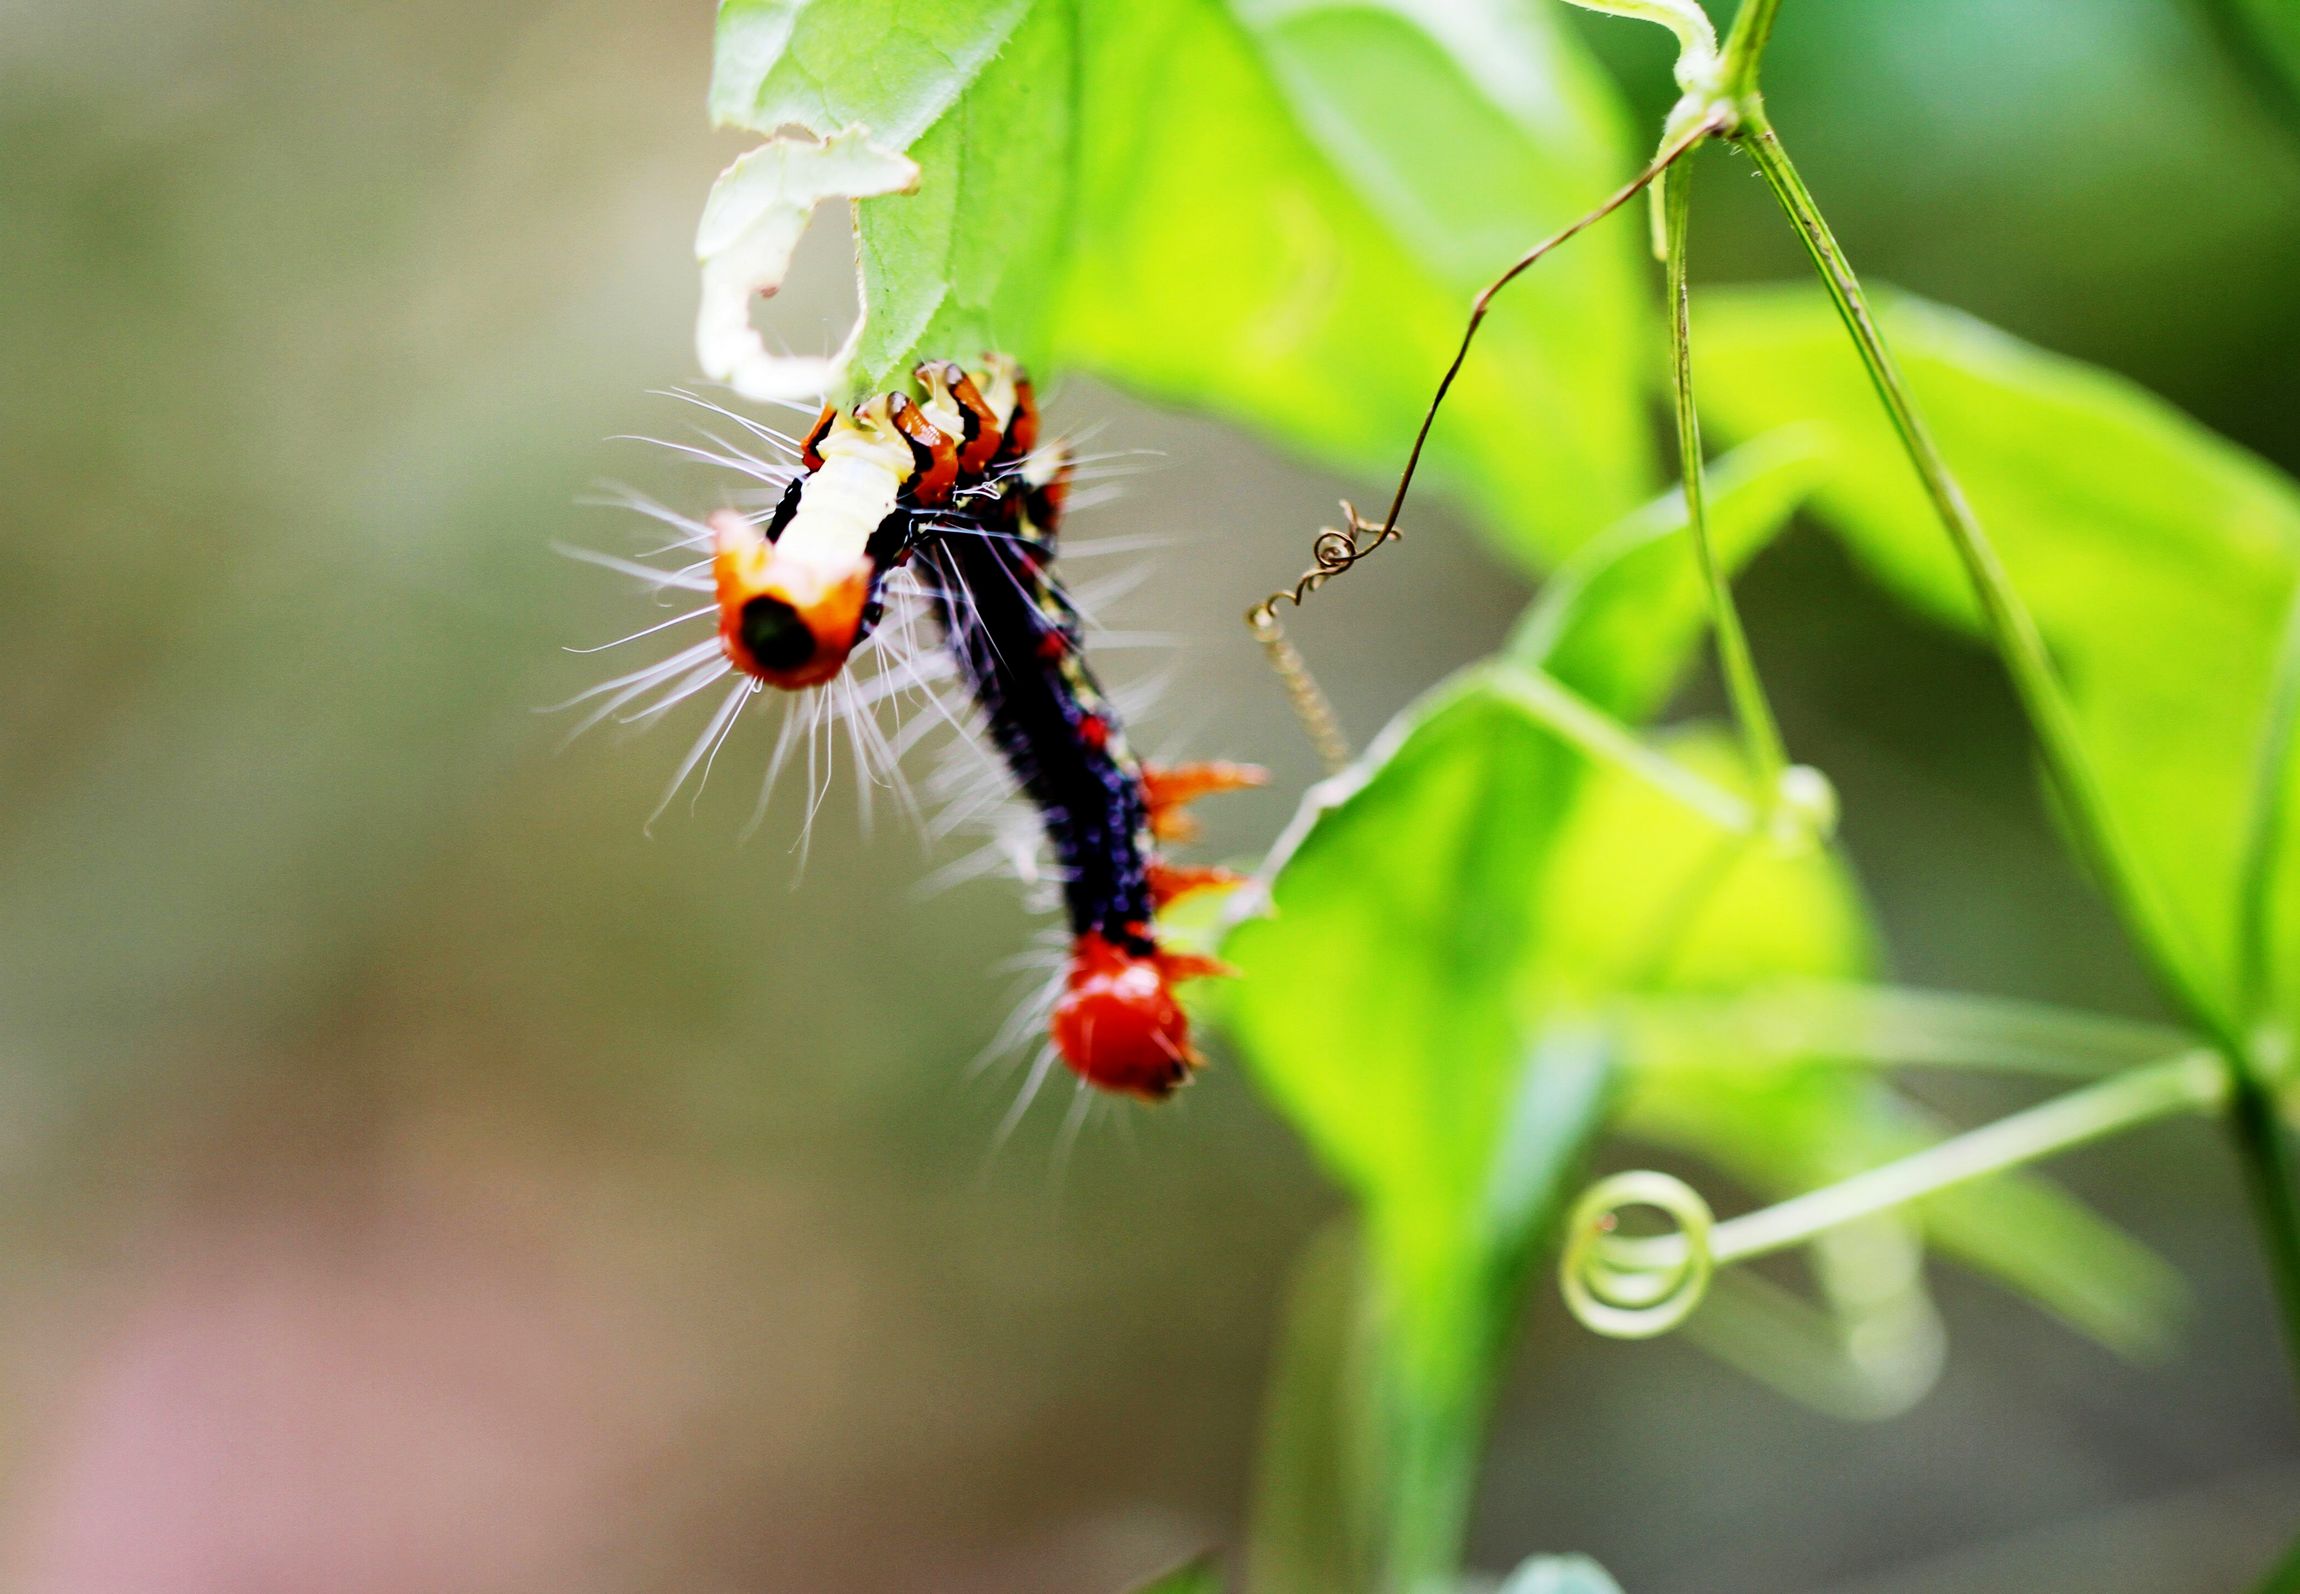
{"x":1336,"y":550}
{"x":1309,"y":701}
{"x":1332,"y":551}
{"x":1637,"y":1287}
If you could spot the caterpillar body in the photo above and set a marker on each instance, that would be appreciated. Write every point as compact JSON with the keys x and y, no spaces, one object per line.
{"x":954,"y":489}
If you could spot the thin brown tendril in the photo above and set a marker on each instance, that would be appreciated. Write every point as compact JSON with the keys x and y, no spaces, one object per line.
{"x":1336,"y":550}
{"x":1303,"y":692}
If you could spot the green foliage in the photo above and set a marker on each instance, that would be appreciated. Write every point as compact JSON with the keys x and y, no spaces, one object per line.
{"x":1391,"y":1005}
{"x":1422,"y":999}
{"x":1233,"y":206}
{"x":1276,"y":210}
{"x":1619,"y":620}
{"x":2158,"y":559}
{"x":2267,"y":32}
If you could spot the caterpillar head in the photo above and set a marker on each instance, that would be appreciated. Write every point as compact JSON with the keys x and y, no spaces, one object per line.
{"x":784,"y":619}
{"x":1118,"y":1024}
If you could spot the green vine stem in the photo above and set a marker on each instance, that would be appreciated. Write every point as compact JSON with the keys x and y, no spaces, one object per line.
{"x":1607,"y":743}
{"x":1636,"y":1287}
{"x":1745,"y":45}
{"x":2254,"y":1119}
{"x":2264,"y":824}
{"x":2010,"y":626}
{"x":1760,"y":731}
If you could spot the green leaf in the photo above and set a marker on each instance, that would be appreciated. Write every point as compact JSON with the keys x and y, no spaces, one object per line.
{"x":974,"y":259}
{"x":1421,"y":1001}
{"x":1387,"y":998}
{"x":1277,"y":211}
{"x":958,"y":109}
{"x":1388,"y":1005}
{"x":1620,"y":619}
{"x":886,"y":65}
{"x":1619,"y":899}
{"x":1560,"y":1574}
{"x":2158,"y":559}
{"x":1285,"y":209}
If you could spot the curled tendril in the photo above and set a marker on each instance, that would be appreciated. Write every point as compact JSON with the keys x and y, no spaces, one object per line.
{"x":1637,"y":1287}
{"x":1309,"y":700}
{"x":1333,"y":551}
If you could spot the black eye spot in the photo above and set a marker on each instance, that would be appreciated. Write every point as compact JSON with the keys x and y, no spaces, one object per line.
{"x":774,"y":634}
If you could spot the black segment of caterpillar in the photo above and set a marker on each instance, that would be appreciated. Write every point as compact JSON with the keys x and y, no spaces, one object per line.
{"x":955,"y":485}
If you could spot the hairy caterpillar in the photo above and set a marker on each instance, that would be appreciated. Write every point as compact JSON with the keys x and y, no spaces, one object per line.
{"x":953,"y":490}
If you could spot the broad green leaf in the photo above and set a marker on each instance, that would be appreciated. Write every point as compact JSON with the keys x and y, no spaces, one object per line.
{"x":1285,"y":209}
{"x":1388,"y":1005}
{"x":974,"y":258}
{"x":1421,"y":1000}
{"x":889,"y":66}
{"x":959,"y":110}
{"x":1619,"y":620}
{"x":1560,"y":1574}
{"x":2159,"y":559}
{"x":1786,"y":1129}
{"x":1642,"y":897}
{"x":1278,"y":211}
{"x":1390,"y":995}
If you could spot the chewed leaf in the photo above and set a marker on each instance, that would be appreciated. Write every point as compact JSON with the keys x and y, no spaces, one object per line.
{"x":893,"y":66}
{"x":751,"y":223}
{"x":1275,"y":211}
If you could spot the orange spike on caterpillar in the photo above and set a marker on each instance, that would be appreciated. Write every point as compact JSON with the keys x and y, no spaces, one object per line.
{"x":1170,"y":882}
{"x":1170,"y":790}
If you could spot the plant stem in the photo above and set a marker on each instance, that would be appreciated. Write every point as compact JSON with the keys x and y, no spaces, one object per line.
{"x":2259,"y":1134}
{"x":2273,"y":1183}
{"x":2193,"y":1082}
{"x":1790,"y":1024}
{"x":2264,"y":824}
{"x":1744,"y":45}
{"x":1605,"y":741}
{"x":2009,"y":624}
{"x":1760,"y":732}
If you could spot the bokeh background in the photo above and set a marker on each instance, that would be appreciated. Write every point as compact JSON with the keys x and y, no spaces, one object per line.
{"x":414,"y":1177}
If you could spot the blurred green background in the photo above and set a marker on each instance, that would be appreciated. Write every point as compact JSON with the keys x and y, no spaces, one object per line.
{"x":414,"y":1177}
